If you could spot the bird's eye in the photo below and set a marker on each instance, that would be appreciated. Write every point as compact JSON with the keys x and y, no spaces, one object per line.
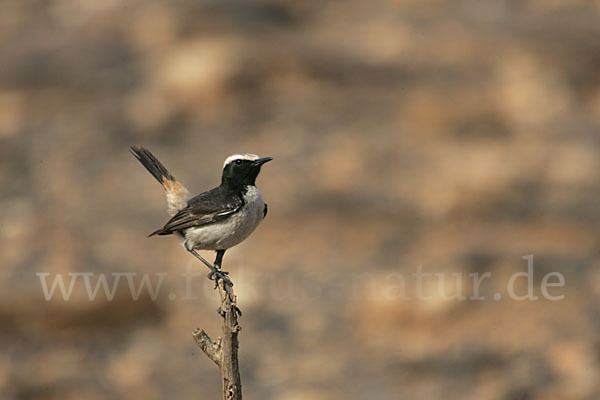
{"x":238,"y":162}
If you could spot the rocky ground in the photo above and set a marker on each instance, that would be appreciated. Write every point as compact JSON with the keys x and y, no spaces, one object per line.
{"x":458,"y":136}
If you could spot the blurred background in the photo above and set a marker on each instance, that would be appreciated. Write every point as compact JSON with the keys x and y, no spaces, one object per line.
{"x":455,"y":135}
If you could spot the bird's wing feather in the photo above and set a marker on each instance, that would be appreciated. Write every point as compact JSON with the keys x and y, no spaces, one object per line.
{"x":206,"y":208}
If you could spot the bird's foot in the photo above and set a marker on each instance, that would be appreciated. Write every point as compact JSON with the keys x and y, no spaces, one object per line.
{"x":216,"y":274}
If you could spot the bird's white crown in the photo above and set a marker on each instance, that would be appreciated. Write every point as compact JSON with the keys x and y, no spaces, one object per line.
{"x":241,"y":156}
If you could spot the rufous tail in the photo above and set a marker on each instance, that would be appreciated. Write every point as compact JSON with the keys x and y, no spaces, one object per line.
{"x":177,"y":194}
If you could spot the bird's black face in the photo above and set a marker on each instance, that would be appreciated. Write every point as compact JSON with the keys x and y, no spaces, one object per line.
{"x":241,"y":172}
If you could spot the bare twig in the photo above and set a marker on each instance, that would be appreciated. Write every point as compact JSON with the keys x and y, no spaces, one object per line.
{"x":224,"y":351}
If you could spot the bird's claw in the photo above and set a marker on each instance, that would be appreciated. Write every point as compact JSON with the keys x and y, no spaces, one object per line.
{"x":217,"y":274}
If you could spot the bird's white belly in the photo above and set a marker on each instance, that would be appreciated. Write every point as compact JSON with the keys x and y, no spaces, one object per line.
{"x":233,"y":230}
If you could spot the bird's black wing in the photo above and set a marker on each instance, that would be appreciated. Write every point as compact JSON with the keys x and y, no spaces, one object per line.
{"x":205,"y":208}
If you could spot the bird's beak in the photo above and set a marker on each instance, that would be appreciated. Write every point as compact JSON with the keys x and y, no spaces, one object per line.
{"x":261,"y":161}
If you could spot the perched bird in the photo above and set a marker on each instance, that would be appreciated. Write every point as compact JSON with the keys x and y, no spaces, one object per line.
{"x":217,"y":219}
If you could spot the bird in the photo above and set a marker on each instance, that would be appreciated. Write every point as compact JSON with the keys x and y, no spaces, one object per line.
{"x":217,"y":219}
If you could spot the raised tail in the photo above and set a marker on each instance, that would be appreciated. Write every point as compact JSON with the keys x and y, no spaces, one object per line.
{"x":152,"y":164}
{"x":177,"y":194}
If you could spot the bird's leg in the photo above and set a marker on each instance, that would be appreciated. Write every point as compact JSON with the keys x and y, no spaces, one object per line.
{"x":217,"y":265}
{"x":218,"y":262}
{"x":215,"y":273}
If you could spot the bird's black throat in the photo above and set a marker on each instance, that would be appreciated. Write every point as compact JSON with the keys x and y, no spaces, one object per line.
{"x":237,"y":175}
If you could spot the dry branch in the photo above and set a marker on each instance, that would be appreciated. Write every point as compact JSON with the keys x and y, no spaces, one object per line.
{"x":224,"y":351}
